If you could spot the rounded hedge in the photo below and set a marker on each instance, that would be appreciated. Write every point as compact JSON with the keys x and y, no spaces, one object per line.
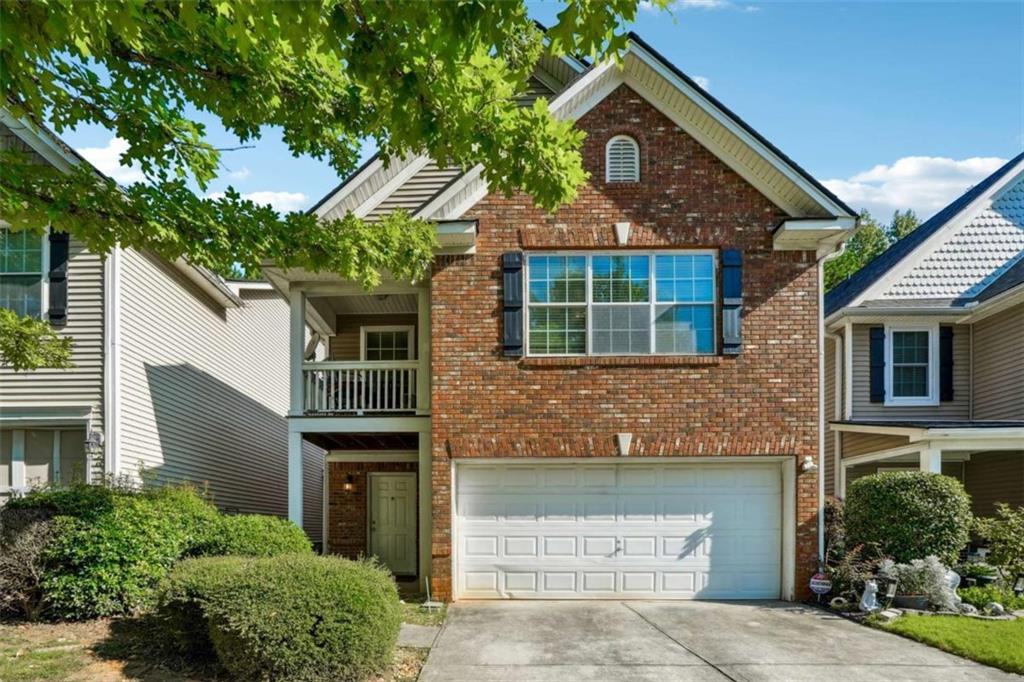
{"x":254,"y":535}
{"x":290,"y":617}
{"x":909,"y":515}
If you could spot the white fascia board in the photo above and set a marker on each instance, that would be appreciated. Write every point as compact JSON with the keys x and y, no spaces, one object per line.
{"x":979,"y":310}
{"x":457,"y":236}
{"x":937,"y":239}
{"x":911,"y":432}
{"x":224,"y":296}
{"x":349,"y":187}
{"x":836,"y":320}
{"x":812,"y":235}
{"x":414,"y":166}
{"x":39,"y":141}
{"x":1011,"y":433}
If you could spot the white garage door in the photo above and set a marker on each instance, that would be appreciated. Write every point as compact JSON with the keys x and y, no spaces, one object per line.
{"x":637,"y":530}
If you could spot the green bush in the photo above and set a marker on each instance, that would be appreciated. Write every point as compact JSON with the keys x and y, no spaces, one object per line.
{"x":909,"y":515}
{"x":290,"y":617}
{"x":254,"y":535}
{"x":1004,"y":535}
{"x":982,"y":596}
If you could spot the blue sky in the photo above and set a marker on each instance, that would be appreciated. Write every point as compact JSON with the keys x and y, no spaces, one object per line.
{"x":892,"y":104}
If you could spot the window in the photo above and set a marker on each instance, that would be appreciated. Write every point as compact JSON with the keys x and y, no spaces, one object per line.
{"x":911,"y":366}
{"x":22,"y":263}
{"x":622,"y":160}
{"x":636,"y":304}
{"x":386,"y":343}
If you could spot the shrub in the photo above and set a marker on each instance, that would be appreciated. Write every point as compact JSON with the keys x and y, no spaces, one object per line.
{"x":179,"y":603}
{"x":923,"y":576}
{"x":1005,"y":537}
{"x":290,"y":617}
{"x":254,"y":535}
{"x":909,"y":515}
{"x":982,"y":596}
{"x":24,"y":535}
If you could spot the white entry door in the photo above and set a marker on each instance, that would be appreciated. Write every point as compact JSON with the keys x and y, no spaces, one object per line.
{"x":393,"y":521}
{"x":613,"y":531}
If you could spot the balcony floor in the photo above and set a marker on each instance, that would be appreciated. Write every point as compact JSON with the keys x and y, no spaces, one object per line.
{"x":364,"y":441}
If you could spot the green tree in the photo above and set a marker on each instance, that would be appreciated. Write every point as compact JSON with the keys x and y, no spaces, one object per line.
{"x":869,"y":241}
{"x":27,"y":343}
{"x":903,"y":223}
{"x":438,"y":77}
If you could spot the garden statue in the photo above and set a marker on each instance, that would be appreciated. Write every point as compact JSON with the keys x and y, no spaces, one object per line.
{"x":968,"y":609}
{"x":994,"y":608}
{"x":869,"y":600}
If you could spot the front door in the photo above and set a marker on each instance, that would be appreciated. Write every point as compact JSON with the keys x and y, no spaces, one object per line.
{"x":393,"y":521}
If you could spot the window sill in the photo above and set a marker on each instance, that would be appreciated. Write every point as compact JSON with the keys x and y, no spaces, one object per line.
{"x":623,"y":361}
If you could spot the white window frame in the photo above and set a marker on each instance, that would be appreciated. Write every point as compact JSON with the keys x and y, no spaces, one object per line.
{"x":607,"y":158}
{"x":407,"y":328}
{"x":44,"y":289}
{"x":932,"y":397}
{"x":588,"y":302}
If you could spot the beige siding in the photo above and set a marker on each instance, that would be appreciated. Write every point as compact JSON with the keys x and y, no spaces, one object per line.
{"x":999,"y":366}
{"x":854,"y":444}
{"x":416,"y":191}
{"x":345,"y":344}
{"x":81,"y":385}
{"x":830,"y":393}
{"x":992,"y":477}
{"x":958,"y":408}
{"x":205,"y":390}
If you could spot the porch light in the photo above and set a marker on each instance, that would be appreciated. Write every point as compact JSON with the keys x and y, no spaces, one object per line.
{"x":349,"y":484}
{"x":809,"y":465}
{"x":1018,"y":585}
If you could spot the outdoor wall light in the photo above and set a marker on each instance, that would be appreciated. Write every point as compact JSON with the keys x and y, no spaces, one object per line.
{"x":350,"y":483}
{"x":809,"y":465}
{"x":1018,"y":585}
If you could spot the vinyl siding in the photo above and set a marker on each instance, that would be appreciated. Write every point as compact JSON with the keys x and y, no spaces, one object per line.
{"x":416,"y":191}
{"x":830,"y":392}
{"x":992,"y":477}
{"x":345,"y":344}
{"x":854,"y":444}
{"x":204,"y":392}
{"x":81,"y":385}
{"x":958,"y":408}
{"x":999,"y":365}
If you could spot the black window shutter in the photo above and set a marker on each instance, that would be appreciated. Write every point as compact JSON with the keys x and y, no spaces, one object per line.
{"x":512,"y":304}
{"x":945,"y":363}
{"x":877,"y":359}
{"x":732,"y":301}
{"x":58,"y":275}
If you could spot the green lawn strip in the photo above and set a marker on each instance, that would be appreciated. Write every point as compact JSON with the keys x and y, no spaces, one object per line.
{"x":414,"y":614}
{"x":996,"y":643}
{"x":22,"y":661}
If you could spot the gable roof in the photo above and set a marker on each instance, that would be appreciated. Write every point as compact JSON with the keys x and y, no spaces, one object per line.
{"x":861,"y":281}
{"x":655,"y":79}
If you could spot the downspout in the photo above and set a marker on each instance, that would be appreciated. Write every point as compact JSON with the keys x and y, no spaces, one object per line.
{"x":111,"y":360}
{"x":821,"y":401}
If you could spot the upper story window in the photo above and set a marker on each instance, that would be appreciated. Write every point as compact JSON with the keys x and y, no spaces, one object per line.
{"x":387,"y":343}
{"x":622,"y":160}
{"x":912,"y":366}
{"x":636,"y":304}
{"x":22,"y":256}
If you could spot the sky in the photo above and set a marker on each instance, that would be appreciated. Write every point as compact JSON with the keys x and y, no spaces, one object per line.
{"x":892,"y":105}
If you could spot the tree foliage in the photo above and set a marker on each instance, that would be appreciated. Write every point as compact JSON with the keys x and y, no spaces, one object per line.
{"x":27,"y":343}
{"x":869,"y":242}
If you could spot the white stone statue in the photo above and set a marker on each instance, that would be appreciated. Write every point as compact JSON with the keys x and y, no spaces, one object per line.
{"x":869,"y":600}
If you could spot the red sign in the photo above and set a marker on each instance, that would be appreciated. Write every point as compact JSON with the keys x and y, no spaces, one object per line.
{"x":820,"y":584}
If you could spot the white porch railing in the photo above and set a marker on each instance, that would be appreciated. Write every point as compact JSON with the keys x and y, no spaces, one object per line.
{"x":359,"y":387}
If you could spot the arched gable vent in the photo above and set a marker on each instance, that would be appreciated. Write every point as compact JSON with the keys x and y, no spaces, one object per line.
{"x":622,"y":160}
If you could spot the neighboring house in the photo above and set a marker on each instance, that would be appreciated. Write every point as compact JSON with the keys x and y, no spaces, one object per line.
{"x":616,"y":399}
{"x":925,"y":351}
{"x":177,"y":372}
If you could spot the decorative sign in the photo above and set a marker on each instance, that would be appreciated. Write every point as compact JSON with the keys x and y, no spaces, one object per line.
{"x":820,"y":584}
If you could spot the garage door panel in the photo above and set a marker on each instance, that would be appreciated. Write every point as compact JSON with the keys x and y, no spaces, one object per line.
{"x":586,"y":531}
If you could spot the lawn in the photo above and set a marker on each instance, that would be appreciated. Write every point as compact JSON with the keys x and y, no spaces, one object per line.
{"x":997,"y":643}
{"x":415,"y":614}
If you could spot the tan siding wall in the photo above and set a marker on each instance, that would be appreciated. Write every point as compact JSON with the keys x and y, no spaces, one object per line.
{"x":82,"y":384}
{"x":205,"y":391}
{"x":992,"y":477}
{"x":999,"y":366}
{"x":830,"y":391}
{"x":345,"y":344}
{"x":865,"y":443}
{"x":958,"y":408}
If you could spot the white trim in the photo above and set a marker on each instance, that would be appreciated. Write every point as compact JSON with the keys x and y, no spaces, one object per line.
{"x":371,"y":456}
{"x":425,"y":497}
{"x":55,"y":472}
{"x":634,"y":148}
{"x":848,"y":370}
{"x":44,"y":273}
{"x":932,"y":370}
{"x":296,"y":505}
{"x":40,"y":142}
{"x":404,"y":174}
{"x":358,"y":424}
{"x":296,"y":349}
{"x":112,"y":361}
{"x":17,"y":459}
{"x":407,"y":328}
{"x":349,"y":187}
{"x":788,"y":550}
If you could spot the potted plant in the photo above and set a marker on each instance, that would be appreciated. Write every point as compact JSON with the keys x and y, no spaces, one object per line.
{"x":922,"y":584}
{"x":979,"y":574}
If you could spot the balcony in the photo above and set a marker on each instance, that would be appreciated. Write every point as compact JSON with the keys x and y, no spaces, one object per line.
{"x":358,"y":388}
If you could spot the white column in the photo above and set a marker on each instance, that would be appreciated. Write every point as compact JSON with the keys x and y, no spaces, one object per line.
{"x":931,"y":460}
{"x":841,"y":490}
{"x":295,"y":478}
{"x":426,"y":492}
{"x":296,"y":346}
{"x":17,"y":459}
{"x":423,"y":351}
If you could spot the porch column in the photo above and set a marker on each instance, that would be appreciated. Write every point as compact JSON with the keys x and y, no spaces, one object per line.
{"x":295,"y":478}
{"x":423,"y":351}
{"x":296,"y":347}
{"x":426,"y":494}
{"x":931,"y":460}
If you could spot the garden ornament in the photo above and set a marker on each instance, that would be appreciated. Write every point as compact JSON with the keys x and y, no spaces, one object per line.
{"x":995,"y":608}
{"x":968,"y":609}
{"x":869,"y":600}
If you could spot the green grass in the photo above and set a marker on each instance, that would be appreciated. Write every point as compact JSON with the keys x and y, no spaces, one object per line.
{"x":22,"y":661}
{"x":413,"y":614}
{"x":997,"y":643}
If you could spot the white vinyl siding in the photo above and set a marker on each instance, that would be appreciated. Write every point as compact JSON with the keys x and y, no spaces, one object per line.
{"x":999,"y":366}
{"x":204,"y":391}
{"x":622,"y":160}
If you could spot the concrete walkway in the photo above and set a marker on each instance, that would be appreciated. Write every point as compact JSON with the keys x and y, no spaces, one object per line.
{"x":417,"y":636}
{"x":526,"y":641}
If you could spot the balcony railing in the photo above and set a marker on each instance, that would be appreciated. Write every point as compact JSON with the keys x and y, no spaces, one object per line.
{"x":359,"y":387}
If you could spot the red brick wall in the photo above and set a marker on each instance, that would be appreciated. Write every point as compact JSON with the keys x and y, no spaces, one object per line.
{"x":347,"y":511}
{"x":763,"y":402}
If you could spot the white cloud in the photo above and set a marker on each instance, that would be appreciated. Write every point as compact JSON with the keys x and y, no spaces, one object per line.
{"x":282,"y":202}
{"x":923,"y":183}
{"x":240,"y":174}
{"x":703,"y":81}
{"x":108,"y":161}
{"x":702,"y":4}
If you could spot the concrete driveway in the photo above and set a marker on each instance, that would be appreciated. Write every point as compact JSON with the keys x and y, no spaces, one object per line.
{"x":568,"y":641}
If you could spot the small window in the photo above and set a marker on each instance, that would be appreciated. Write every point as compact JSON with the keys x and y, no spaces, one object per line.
{"x":912,"y":366}
{"x":21,"y":272}
{"x":622,"y":160}
{"x":383,"y":344}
